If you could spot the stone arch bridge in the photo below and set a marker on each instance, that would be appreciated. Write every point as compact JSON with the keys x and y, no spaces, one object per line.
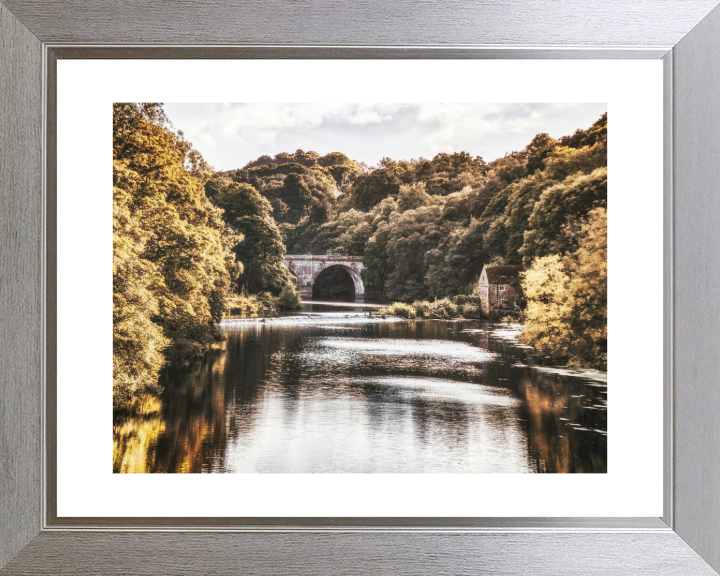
{"x":306,"y":269}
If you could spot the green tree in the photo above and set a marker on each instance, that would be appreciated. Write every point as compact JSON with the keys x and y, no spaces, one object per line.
{"x":297,"y":196}
{"x":566,"y":315}
{"x":412,"y":235}
{"x":557,"y":207}
{"x":587,"y":267}
{"x":537,"y":151}
{"x":375,"y":262}
{"x":262,"y":250}
{"x":412,"y":196}
{"x":138,"y":342}
{"x":289,"y":298}
{"x":547,"y":326}
{"x":506,"y":233}
{"x":334,"y":159}
{"x":173,"y":264}
{"x":370,"y":189}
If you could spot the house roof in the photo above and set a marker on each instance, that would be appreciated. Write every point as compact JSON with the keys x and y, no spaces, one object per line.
{"x":502,"y":274}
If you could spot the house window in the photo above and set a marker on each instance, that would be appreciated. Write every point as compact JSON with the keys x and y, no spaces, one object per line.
{"x":502,"y":288}
{"x":502,"y":302}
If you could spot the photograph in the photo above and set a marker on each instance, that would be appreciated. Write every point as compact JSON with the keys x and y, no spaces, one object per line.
{"x":360,"y":288}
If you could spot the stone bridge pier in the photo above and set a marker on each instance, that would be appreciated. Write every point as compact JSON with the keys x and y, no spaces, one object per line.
{"x":306,"y":269}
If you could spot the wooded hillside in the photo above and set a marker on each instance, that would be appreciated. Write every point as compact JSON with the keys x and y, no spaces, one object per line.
{"x":426,"y":227}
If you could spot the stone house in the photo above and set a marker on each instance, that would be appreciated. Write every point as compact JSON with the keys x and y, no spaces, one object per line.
{"x":496,"y":291}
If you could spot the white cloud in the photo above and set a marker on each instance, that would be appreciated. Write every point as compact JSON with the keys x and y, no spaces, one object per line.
{"x":230,"y":135}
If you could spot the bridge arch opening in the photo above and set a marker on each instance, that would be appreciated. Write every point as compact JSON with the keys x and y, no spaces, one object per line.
{"x":334,"y":283}
{"x":308,"y":267}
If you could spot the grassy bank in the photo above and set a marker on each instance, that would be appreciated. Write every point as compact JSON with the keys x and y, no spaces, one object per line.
{"x":444,"y":309}
{"x":459,"y":307}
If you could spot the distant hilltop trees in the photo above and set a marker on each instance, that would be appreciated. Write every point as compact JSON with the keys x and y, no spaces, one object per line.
{"x":300,"y":157}
{"x":425,"y":227}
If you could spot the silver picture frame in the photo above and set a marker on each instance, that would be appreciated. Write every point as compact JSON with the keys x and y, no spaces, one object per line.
{"x":685,"y":34}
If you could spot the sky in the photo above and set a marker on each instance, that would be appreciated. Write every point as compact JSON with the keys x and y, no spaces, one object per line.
{"x":231,"y":135}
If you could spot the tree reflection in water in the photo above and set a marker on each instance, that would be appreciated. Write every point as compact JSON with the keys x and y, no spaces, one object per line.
{"x":330,"y":394}
{"x":135,"y":434}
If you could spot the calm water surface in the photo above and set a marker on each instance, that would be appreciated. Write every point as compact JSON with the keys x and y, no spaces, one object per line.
{"x":334,"y":391}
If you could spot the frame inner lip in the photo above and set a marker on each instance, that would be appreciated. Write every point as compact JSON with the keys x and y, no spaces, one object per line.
{"x":56,"y":51}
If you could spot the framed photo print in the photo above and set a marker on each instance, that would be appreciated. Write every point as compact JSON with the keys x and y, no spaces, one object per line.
{"x":433,"y":297}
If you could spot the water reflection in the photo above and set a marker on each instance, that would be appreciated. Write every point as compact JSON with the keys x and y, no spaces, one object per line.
{"x":134,"y":432}
{"x":339,"y":392}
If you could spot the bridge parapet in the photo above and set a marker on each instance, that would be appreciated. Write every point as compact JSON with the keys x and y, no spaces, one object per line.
{"x":322,"y":257}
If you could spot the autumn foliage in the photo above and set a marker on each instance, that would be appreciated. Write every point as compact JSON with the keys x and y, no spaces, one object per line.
{"x":566,"y":315}
{"x":173,"y":266}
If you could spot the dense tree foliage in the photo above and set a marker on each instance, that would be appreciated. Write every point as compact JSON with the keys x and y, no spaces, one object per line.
{"x":299,"y":185}
{"x":566,"y":314}
{"x":173,"y":267}
{"x":262,"y":250}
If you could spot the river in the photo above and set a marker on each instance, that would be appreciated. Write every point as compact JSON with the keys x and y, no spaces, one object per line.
{"x":331,"y":390}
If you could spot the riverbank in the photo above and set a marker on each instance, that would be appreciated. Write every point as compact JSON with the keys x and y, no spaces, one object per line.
{"x":459,"y":307}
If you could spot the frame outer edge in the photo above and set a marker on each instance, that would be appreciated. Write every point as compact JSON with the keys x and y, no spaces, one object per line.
{"x":401,"y":554}
{"x":650,"y":23}
{"x":20,"y":274}
{"x":696,"y":166}
{"x":21,"y":281}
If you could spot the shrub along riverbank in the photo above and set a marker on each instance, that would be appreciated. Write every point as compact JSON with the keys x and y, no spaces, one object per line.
{"x":444,"y":309}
